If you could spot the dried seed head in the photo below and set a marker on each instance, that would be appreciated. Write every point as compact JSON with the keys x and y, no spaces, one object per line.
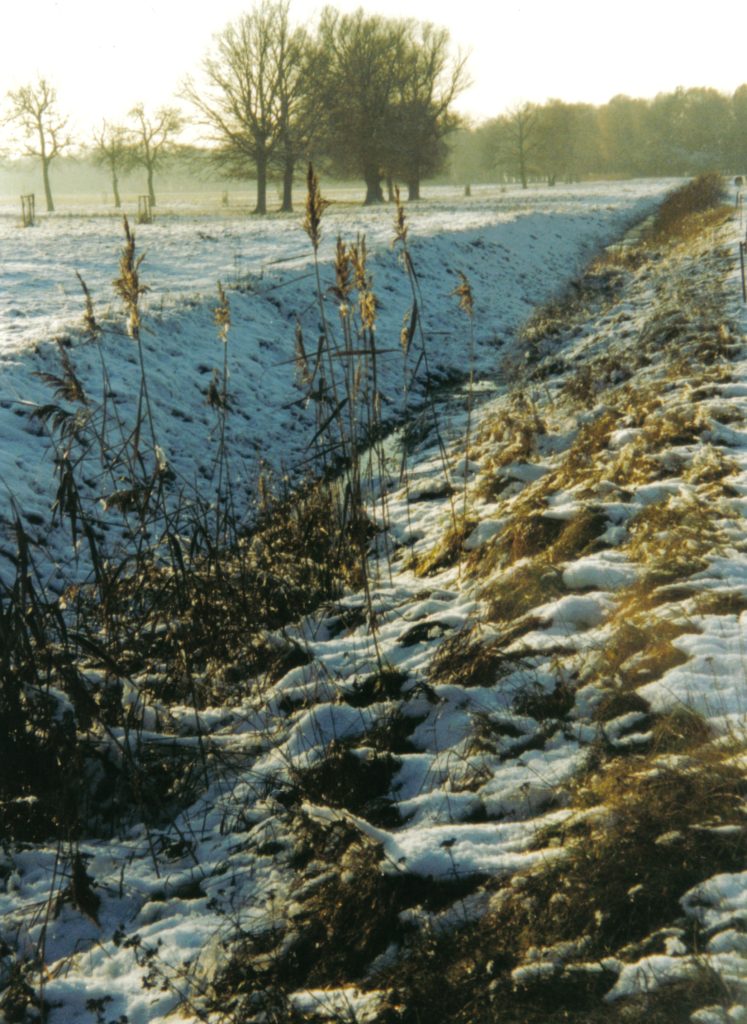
{"x":222,"y":314}
{"x":162,"y":462}
{"x":128,"y":285}
{"x":367,"y":305}
{"x":359,"y":257}
{"x":400,"y":221}
{"x":366,"y":297}
{"x":315,"y":207}
{"x":404,"y":334}
{"x":464,"y":292}
{"x":343,"y":269}
{"x":89,"y":317}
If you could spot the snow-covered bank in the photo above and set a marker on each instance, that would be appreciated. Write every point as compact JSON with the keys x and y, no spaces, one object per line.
{"x":526,"y":797}
{"x":187,"y":254}
{"x":516,"y":253}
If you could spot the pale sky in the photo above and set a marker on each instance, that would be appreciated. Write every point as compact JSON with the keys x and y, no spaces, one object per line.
{"x":105,"y":56}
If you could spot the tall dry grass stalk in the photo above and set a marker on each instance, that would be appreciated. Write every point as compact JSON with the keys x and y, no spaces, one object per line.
{"x":412,"y":328}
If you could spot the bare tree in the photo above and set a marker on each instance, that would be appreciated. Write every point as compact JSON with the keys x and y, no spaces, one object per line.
{"x":517,"y":140}
{"x":296,"y":115}
{"x":153,"y":139}
{"x":428,"y":83}
{"x":33,"y":108}
{"x":357,"y":66}
{"x":112,"y":150}
{"x":251,"y":94}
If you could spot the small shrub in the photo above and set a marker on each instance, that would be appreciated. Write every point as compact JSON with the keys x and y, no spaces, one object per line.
{"x":675,"y":215}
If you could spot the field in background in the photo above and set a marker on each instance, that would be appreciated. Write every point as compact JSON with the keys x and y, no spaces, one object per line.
{"x":194,"y":241}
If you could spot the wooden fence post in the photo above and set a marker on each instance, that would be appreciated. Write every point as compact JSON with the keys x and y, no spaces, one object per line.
{"x":144,"y":210}
{"x":28,"y":210}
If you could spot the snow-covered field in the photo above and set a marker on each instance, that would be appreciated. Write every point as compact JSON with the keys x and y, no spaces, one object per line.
{"x":188,"y":252}
{"x":508,"y":675}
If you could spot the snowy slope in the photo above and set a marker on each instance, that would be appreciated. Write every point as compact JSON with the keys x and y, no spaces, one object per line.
{"x":516,"y":250}
{"x":601,"y":589}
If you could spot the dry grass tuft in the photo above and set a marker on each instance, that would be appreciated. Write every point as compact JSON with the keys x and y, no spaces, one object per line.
{"x":448,"y":551}
{"x":508,"y":436}
{"x":720,"y":602}
{"x":620,"y":702}
{"x":654,"y":831}
{"x":674,"y":538}
{"x":358,"y":781}
{"x":514,"y":594}
{"x":709,"y":465}
{"x":640,"y":648}
{"x":527,"y":535}
{"x":581,"y":463}
{"x":656,"y":838}
{"x":679,"y":731}
{"x":691,"y":209}
{"x":469,"y":658}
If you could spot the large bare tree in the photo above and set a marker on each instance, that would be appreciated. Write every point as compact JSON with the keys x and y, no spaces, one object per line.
{"x":153,"y":139}
{"x":428,"y":82}
{"x":33,"y":109}
{"x":250,"y":96}
{"x":357,"y":65}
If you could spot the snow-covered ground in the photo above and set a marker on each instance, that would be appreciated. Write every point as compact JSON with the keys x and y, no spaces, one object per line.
{"x":187,"y":253}
{"x":482,"y":759}
{"x":517,"y":249}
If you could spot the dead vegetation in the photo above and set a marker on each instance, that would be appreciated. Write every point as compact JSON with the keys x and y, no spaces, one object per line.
{"x":672,"y":539}
{"x":449,"y":549}
{"x":646,"y":822}
{"x":539,"y":953}
{"x":473,"y":657}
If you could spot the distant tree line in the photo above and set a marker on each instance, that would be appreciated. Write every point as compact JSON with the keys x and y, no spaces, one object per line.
{"x":679,"y":133}
{"x":371,"y":97}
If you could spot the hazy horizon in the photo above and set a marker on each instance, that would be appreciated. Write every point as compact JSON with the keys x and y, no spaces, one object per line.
{"x":102,"y":63}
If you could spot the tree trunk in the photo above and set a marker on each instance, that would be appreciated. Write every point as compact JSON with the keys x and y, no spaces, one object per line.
{"x":413,"y":189}
{"x":151,"y":193}
{"x":261,"y":163}
{"x":47,"y":187}
{"x":374,"y":193}
{"x":288,"y":166}
{"x":115,"y":189}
